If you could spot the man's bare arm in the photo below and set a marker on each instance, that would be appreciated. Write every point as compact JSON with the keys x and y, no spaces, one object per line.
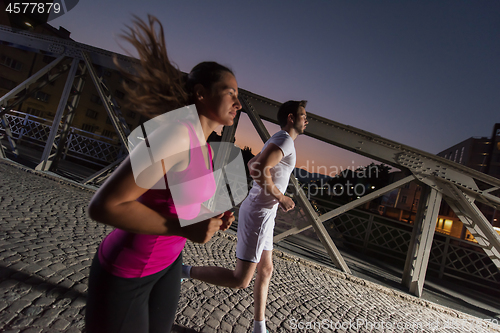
{"x":260,"y":170}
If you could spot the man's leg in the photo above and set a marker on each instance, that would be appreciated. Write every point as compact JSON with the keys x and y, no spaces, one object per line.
{"x":261,"y":286}
{"x":239,"y":278}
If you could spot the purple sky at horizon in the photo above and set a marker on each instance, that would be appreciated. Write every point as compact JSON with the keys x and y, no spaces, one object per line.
{"x":426,"y":73}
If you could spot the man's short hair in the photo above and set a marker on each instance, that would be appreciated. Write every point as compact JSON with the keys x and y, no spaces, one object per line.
{"x":287,"y":108}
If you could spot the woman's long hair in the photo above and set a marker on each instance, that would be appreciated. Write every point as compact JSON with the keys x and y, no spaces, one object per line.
{"x":158,"y":85}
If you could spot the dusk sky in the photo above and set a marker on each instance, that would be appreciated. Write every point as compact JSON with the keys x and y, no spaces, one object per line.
{"x":423,"y":73}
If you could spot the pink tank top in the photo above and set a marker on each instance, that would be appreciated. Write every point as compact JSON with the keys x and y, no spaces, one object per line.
{"x":131,"y":255}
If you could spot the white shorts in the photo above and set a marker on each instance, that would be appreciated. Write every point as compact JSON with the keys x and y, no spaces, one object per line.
{"x":255,"y":231}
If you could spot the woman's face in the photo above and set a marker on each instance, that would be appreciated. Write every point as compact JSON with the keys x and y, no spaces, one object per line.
{"x":221,"y":102}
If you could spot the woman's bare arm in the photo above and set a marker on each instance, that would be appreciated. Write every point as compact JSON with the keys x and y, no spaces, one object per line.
{"x":115,"y":202}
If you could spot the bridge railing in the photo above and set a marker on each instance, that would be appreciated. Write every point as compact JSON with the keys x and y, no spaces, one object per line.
{"x":388,"y":240}
{"x":443,"y":179}
{"x":81,"y":145}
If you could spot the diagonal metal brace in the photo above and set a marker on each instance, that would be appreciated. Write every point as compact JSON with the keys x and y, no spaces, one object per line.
{"x":344,"y":208}
{"x":114,"y":115}
{"x":475,"y":221}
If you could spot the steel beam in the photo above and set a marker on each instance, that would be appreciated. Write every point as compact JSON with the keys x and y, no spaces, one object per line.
{"x":419,"y":250}
{"x":104,"y":173}
{"x":2,"y":151}
{"x":344,"y":208}
{"x":290,"y":232}
{"x":426,"y":167}
{"x":222,"y":158}
{"x":347,"y":137}
{"x":62,"y":146}
{"x":477,"y":224}
{"x":365,"y":198}
{"x":393,"y":153}
{"x":5,"y":124}
{"x":228,"y":133}
{"x":256,"y":121}
{"x":26,"y":84}
{"x":55,"y":46}
{"x":458,"y":183}
{"x":19,"y":99}
{"x":109,"y":103}
{"x":464,"y":207}
{"x":45,"y":163}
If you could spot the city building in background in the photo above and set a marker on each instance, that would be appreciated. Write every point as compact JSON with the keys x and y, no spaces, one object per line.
{"x":17,"y":65}
{"x":479,"y":153}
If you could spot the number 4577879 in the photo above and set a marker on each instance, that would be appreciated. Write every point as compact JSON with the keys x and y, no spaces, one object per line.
{"x":33,"y":7}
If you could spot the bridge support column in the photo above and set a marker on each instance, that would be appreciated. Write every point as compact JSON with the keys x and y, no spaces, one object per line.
{"x":419,"y":250}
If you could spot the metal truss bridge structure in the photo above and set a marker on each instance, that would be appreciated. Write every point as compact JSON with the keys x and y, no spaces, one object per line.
{"x":459,"y":186}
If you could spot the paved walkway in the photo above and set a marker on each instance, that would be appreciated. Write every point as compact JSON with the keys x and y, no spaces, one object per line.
{"x":47,"y":242}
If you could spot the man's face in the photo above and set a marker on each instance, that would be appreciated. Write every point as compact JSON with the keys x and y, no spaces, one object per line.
{"x":300,"y":122}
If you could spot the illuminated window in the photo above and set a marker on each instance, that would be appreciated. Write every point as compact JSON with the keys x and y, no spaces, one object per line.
{"x":444,"y":226}
{"x":447,"y":225}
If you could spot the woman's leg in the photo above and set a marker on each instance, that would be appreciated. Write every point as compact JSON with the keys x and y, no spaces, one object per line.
{"x":164,"y":298}
{"x":116,"y":304}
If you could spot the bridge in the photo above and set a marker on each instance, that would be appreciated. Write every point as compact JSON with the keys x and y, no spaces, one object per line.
{"x":442,"y":179}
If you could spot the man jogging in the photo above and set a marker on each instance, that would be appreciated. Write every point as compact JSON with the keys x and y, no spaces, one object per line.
{"x":271,"y":170}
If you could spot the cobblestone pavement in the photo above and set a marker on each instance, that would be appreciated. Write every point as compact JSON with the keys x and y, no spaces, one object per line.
{"x":47,"y":243}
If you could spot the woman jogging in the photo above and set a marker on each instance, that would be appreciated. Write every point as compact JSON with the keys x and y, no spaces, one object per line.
{"x":134,"y":280}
